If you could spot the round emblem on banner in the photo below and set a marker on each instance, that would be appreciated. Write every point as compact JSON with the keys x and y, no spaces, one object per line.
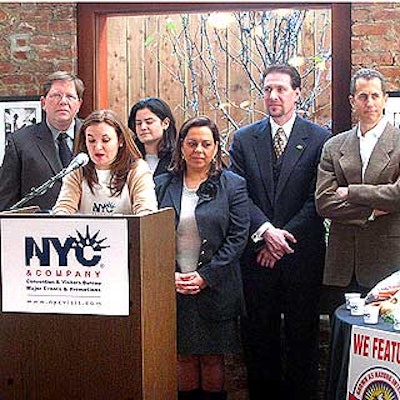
{"x":377,"y":384}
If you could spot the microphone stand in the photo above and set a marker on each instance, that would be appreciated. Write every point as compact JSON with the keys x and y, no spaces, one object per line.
{"x":41,"y":189}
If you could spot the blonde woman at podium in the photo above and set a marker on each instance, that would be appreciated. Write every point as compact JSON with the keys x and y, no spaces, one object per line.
{"x":212,"y":222}
{"x":116,"y":180}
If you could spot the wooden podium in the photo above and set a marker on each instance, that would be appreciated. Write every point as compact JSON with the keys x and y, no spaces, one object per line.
{"x":94,"y":357}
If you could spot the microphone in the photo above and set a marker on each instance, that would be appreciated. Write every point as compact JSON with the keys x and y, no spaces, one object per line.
{"x":79,"y":161}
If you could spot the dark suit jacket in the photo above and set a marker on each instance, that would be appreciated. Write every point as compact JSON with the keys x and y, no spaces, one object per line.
{"x":30,"y":159}
{"x":289,"y":205}
{"x":163,"y":164}
{"x":222,"y":216}
{"x":370,"y":249}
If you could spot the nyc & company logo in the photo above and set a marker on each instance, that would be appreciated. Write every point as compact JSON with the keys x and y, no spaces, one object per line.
{"x":86,"y":249}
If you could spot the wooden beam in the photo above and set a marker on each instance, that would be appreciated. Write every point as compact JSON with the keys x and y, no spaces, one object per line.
{"x":341,"y":66}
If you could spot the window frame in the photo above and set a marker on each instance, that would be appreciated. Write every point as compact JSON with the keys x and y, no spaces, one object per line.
{"x":92,"y":46}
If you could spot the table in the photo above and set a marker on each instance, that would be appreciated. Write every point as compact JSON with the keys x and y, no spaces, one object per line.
{"x":336,"y":384}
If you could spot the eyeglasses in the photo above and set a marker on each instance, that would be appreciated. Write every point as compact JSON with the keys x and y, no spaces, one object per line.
{"x":193,"y":144}
{"x":57,"y":97}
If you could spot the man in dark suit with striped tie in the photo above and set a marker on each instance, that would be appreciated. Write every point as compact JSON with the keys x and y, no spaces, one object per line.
{"x":36,"y":153}
{"x":283,"y":263}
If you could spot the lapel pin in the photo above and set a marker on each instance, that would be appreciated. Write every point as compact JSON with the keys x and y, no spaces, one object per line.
{"x":299,"y":147}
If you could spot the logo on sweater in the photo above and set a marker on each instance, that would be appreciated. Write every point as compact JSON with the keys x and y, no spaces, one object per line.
{"x":86,"y":248}
{"x":103,"y":208}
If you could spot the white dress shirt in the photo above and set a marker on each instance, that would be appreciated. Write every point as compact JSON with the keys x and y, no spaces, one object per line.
{"x":368,"y":142}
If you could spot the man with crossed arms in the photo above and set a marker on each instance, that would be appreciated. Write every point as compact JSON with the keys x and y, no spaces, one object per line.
{"x":358,"y":189}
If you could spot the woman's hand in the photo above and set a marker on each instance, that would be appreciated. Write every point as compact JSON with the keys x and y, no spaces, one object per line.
{"x":189,"y":282}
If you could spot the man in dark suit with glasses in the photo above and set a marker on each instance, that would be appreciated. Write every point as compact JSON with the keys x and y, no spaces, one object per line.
{"x":36,"y":153}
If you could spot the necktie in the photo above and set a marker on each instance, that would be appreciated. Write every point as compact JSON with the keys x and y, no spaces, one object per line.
{"x":279,"y":142}
{"x":63,"y":149}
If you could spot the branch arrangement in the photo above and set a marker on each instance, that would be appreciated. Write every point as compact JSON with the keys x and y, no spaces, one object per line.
{"x":209,"y":49}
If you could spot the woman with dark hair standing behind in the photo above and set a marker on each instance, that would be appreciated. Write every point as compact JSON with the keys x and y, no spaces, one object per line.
{"x":153,"y":124}
{"x":212,"y":222}
{"x":116,"y":180}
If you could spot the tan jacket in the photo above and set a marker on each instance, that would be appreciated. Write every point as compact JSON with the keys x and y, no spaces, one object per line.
{"x":140,"y":184}
{"x":371,"y":249}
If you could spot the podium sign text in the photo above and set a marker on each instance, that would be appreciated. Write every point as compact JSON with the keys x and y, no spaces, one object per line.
{"x":69,"y":266}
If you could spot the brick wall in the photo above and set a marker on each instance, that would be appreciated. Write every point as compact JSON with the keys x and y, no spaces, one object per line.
{"x":35,"y":40}
{"x":376,"y":39}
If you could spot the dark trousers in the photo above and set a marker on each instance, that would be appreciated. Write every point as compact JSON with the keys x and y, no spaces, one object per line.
{"x":281,"y":368}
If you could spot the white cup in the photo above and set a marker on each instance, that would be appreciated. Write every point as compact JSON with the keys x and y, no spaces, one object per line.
{"x":348,"y":296}
{"x":371,"y":314}
{"x":357,"y":306}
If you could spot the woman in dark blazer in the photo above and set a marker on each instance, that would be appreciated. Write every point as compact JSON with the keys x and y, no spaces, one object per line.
{"x":212,"y":222}
{"x":153,"y":125}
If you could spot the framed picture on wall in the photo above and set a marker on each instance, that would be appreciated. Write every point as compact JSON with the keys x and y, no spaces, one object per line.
{"x":16,"y":113}
{"x":392,"y":109}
